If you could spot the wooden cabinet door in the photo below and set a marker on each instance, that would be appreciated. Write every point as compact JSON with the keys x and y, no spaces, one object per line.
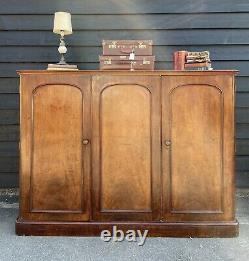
{"x":126,"y":148}
{"x":198,"y":147}
{"x":55,"y":163}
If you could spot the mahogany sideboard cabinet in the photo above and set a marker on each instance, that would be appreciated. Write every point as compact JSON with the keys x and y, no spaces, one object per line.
{"x":141,"y":150}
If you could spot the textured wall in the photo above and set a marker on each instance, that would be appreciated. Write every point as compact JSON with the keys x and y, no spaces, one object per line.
{"x":27,"y":42}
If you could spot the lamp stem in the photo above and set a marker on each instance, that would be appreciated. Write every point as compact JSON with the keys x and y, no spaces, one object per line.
{"x":62,"y":49}
{"x":62,"y":60}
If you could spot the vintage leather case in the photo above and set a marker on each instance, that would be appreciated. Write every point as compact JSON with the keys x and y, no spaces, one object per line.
{"x":125,"y":47}
{"x":114,"y":62}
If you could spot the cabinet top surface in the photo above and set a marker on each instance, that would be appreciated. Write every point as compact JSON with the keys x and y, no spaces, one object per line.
{"x":123,"y":72}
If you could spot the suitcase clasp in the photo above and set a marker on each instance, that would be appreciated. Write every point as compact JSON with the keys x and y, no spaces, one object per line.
{"x":146,"y":62}
{"x":141,"y":45}
{"x":109,"y":61}
{"x":113,"y":45}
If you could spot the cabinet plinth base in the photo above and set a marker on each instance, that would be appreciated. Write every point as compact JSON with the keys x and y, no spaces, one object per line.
{"x":155,"y":229}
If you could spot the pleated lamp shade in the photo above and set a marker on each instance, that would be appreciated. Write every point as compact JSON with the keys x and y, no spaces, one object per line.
{"x":62,"y":22}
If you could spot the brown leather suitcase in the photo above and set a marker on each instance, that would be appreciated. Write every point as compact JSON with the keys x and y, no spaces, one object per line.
{"x":125,"y":47}
{"x":114,"y":62}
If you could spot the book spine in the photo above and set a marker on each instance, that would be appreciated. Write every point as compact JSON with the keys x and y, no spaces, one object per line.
{"x":197,"y":68}
{"x":175,"y":60}
{"x":206,"y":66}
{"x":198,"y":65}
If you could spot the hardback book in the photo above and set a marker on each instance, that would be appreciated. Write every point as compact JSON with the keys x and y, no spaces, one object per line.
{"x":198,"y":66}
{"x":62,"y":67}
{"x":198,"y":69}
{"x":195,"y":57}
{"x":179,"y":60}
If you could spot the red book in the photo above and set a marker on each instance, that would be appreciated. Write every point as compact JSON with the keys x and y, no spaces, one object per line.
{"x":179,"y":60}
{"x":203,"y":64}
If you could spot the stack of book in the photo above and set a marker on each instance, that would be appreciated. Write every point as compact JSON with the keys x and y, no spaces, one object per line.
{"x":198,"y":61}
{"x":184,"y":60}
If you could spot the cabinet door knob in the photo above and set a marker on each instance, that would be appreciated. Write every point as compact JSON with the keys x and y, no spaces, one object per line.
{"x":167,"y":142}
{"x":85,"y":141}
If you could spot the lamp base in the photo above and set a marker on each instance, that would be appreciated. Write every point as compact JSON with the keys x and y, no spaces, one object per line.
{"x":62,"y":67}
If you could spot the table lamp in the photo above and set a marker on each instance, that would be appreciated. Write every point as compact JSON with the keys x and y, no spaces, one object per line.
{"x":62,"y":26}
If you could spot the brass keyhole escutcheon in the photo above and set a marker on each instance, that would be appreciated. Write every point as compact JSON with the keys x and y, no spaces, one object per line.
{"x":85,"y":141}
{"x":167,"y":143}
